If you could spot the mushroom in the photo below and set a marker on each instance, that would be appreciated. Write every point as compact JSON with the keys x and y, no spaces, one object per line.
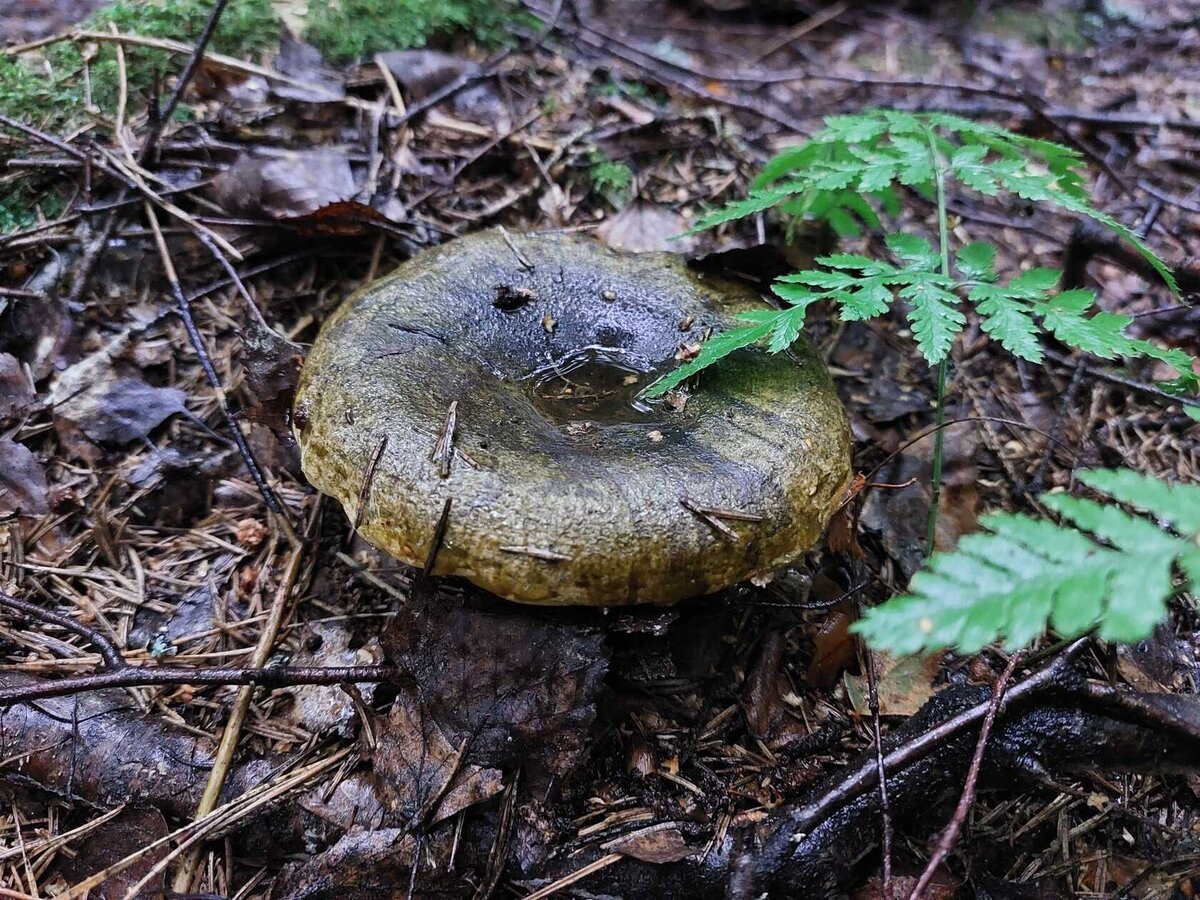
{"x":501,"y":373}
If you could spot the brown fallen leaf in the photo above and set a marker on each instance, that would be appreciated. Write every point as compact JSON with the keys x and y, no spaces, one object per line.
{"x":904,"y":684}
{"x":271,"y":368}
{"x":285,"y":184}
{"x":643,"y":226}
{"x":661,"y":843}
{"x":16,"y":393}
{"x":424,"y":778}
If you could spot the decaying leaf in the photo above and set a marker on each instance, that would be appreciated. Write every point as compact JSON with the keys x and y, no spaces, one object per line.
{"x":775,"y":713}
{"x":16,"y":393}
{"x":422,"y":72}
{"x":904,"y":684}
{"x":271,"y":366}
{"x":285,"y":184}
{"x":643,"y":226}
{"x":22,"y":481}
{"x":661,"y":843}
{"x":521,"y":687}
{"x":133,"y":827}
{"x":322,"y":708}
{"x":425,"y":778}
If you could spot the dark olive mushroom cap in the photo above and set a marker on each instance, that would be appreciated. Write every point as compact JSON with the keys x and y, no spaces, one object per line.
{"x":579,"y":498}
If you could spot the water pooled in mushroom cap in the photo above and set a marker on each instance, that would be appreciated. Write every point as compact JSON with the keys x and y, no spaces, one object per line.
{"x":597,"y":385}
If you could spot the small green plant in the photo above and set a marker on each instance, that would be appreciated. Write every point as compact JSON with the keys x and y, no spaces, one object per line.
{"x":610,"y":179}
{"x":352,"y":29}
{"x":849,"y":173}
{"x":1113,"y":571}
{"x":48,"y":90}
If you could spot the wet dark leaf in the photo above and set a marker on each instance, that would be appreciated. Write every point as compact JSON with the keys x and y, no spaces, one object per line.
{"x":775,"y":713}
{"x":423,"y":777}
{"x":521,"y":688}
{"x":271,"y":365}
{"x":101,"y":748}
{"x":22,"y":481}
{"x":111,"y":842}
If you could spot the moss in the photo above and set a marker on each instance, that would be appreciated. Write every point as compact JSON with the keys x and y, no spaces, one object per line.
{"x":352,"y":29}
{"x":48,"y":90}
{"x":611,"y":180}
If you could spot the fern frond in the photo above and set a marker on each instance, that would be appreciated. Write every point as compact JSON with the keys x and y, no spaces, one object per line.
{"x":762,"y":324}
{"x":1114,"y":570}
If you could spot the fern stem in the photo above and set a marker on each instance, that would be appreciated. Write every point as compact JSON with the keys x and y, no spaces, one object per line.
{"x":939,"y":442}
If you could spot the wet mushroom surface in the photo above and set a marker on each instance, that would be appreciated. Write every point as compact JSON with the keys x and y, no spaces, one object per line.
{"x":502,"y":372}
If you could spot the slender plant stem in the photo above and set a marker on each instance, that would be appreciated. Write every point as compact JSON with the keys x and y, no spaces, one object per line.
{"x":939,"y":439}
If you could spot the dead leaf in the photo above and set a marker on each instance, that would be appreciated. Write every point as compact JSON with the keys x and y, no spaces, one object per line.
{"x":120,"y":410}
{"x":521,"y":686}
{"x":271,"y":368}
{"x":774,"y":712}
{"x":16,"y":393}
{"x":23,"y":485}
{"x":324,"y":708}
{"x":904,"y":684}
{"x":111,"y":842}
{"x":835,"y":649}
{"x":424,"y":777}
{"x":422,"y":73}
{"x":642,"y":226}
{"x":285,"y":184}
{"x":661,"y":843}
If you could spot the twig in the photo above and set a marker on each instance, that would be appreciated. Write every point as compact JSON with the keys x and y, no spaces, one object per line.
{"x":885,"y":813}
{"x":364,"y":492}
{"x":210,"y":372}
{"x":109,"y":652}
{"x":181,"y":83}
{"x":443,"y":449}
{"x":967,"y":800}
{"x":863,"y":779}
{"x":163,"y":676}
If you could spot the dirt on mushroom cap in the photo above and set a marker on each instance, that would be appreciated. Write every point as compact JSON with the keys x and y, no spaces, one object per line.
{"x":470,"y":359}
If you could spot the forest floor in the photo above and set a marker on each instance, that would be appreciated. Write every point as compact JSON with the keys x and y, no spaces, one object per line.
{"x":645,"y":752}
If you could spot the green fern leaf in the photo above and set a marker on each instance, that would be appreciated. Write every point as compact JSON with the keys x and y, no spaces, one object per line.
{"x":935,"y":316}
{"x":719,"y":346}
{"x":1114,"y":570}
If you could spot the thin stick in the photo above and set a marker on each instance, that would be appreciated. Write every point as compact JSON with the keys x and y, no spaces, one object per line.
{"x":863,"y":778}
{"x":164,"y":676}
{"x":578,"y":875}
{"x":210,"y":372}
{"x":364,"y":492}
{"x":885,"y":812}
{"x":181,"y":84}
{"x":109,"y":652}
{"x":967,"y":800}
